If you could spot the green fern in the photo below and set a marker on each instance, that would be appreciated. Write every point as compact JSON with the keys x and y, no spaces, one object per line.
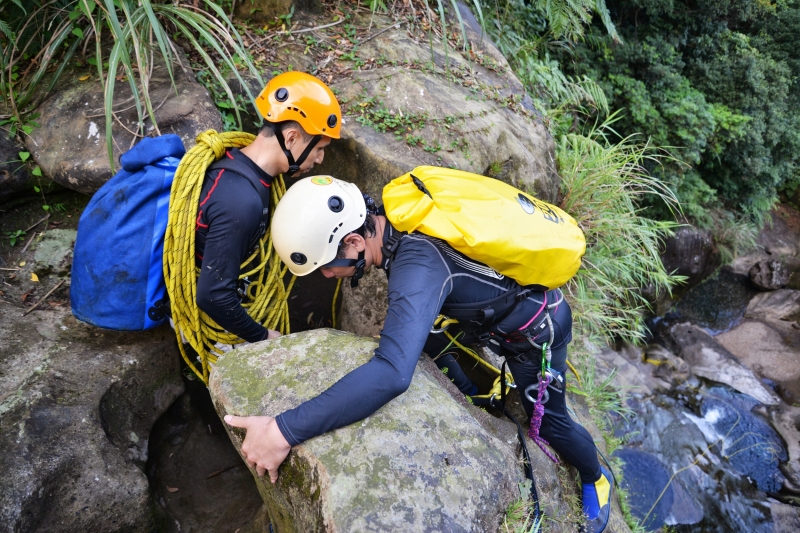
{"x":139,"y":34}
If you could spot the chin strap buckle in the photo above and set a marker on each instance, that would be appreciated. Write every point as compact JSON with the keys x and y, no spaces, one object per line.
{"x":360,"y":265}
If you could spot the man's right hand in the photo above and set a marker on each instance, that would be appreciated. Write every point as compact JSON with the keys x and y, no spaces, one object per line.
{"x":272,"y":334}
{"x":264,"y":446}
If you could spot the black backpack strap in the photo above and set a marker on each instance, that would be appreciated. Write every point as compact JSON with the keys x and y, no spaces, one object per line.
{"x":243,"y":169}
{"x":391,"y":244}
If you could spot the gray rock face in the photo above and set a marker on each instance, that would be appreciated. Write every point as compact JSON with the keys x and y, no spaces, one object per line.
{"x":690,"y":252}
{"x":76,"y":407}
{"x":364,"y":307}
{"x":407,"y":467}
{"x":769,"y":275}
{"x":408,"y":103}
{"x":70,"y":145}
{"x":709,"y":359}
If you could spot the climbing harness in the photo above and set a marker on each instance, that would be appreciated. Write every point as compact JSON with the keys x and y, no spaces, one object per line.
{"x":262,"y":283}
{"x":496,"y":398}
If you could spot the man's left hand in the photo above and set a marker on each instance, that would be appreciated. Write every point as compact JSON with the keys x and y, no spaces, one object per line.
{"x":264,"y":446}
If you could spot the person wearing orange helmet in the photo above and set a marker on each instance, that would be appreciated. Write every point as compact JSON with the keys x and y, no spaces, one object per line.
{"x":302,"y":116}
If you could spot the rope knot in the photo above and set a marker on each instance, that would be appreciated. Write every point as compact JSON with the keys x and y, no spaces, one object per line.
{"x":213,"y":141}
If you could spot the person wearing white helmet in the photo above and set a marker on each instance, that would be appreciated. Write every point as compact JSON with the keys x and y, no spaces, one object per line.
{"x":328,"y":224}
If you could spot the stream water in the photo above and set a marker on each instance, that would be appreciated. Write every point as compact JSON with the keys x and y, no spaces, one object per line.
{"x":703,"y":457}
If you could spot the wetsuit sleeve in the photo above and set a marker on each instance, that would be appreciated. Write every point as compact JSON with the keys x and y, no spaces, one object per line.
{"x":233,"y":213}
{"x":415,"y":294}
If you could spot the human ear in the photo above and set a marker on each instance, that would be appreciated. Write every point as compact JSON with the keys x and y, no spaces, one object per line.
{"x":356,"y":241}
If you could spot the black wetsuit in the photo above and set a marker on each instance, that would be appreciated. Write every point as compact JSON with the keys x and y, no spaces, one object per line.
{"x":424,"y":274}
{"x":229,"y":226}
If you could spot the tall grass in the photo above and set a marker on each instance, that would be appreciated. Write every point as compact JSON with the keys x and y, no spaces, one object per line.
{"x":129,"y":38}
{"x":603,"y":185}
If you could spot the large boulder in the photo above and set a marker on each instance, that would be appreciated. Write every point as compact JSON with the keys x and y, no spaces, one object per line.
{"x":420,"y":463}
{"x":76,"y":408}
{"x":779,"y":241}
{"x":769,"y":275}
{"x":709,"y":359}
{"x":70,"y":145}
{"x":767,"y":341}
{"x":690,"y":252}
{"x":409,"y":102}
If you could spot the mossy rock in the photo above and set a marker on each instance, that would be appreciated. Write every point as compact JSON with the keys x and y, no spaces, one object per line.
{"x":420,"y":463}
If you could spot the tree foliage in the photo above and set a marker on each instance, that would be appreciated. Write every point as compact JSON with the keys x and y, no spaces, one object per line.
{"x":716,"y":80}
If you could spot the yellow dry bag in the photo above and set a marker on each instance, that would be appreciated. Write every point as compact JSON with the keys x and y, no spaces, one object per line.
{"x":519,"y":236}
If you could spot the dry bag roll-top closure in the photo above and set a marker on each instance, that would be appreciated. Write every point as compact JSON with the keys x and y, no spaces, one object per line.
{"x":518,"y":235}
{"x":117,"y":274}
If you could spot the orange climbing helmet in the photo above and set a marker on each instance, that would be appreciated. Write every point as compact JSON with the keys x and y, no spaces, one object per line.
{"x":303,"y":98}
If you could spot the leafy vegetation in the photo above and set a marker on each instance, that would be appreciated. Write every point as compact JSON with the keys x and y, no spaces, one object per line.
{"x":40,"y":38}
{"x":603,"y":185}
{"x":716,"y":80}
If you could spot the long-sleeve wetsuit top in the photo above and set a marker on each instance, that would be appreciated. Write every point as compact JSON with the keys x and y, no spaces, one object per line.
{"x":228,"y":224}
{"x":423,"y":275}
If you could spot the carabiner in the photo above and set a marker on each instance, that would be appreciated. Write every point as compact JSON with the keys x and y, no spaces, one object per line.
{"x":534,"y":401}
{"x":445,"y":321}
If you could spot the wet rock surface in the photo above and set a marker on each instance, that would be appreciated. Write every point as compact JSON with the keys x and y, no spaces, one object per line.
{"x":709,"y":359}
{"x":721,"y":457}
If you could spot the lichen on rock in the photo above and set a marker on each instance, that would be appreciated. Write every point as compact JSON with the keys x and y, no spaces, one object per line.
{"x":420,"y":463}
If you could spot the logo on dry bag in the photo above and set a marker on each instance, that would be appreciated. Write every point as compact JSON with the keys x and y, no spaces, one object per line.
{"x":526,"y":204}
{"x":321,"y":180}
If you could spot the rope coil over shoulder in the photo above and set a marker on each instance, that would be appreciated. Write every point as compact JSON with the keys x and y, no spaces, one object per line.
{"x":267,"y":296}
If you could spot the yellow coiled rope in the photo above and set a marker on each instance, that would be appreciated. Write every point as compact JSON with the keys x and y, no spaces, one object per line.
{"x":267,"y":296}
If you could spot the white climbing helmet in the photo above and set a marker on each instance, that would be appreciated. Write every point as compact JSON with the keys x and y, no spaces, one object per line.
{"x":311,"y":218}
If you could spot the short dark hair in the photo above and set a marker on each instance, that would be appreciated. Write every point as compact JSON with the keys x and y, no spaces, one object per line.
{"x":368,"y":229}
{"x":267,"y":130}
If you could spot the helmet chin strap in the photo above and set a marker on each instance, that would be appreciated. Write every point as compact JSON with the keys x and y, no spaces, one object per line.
{"x":294,"y":166}
{"x":359,"y":265}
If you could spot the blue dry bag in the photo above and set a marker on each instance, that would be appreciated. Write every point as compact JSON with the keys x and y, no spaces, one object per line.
{"x":117,"y":272}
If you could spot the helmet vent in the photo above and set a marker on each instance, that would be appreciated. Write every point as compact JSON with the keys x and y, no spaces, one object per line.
{"x":335,"y":204}
{"x":332,"y":120}
{"x":298,"y":258}
{"x":281,"y":94}
{"x":301,"y":113}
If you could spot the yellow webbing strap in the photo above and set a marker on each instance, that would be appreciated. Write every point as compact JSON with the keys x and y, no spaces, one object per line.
{"x":267,"y":295}
{"x":442,"y":323}
{"x":334,"y":323}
